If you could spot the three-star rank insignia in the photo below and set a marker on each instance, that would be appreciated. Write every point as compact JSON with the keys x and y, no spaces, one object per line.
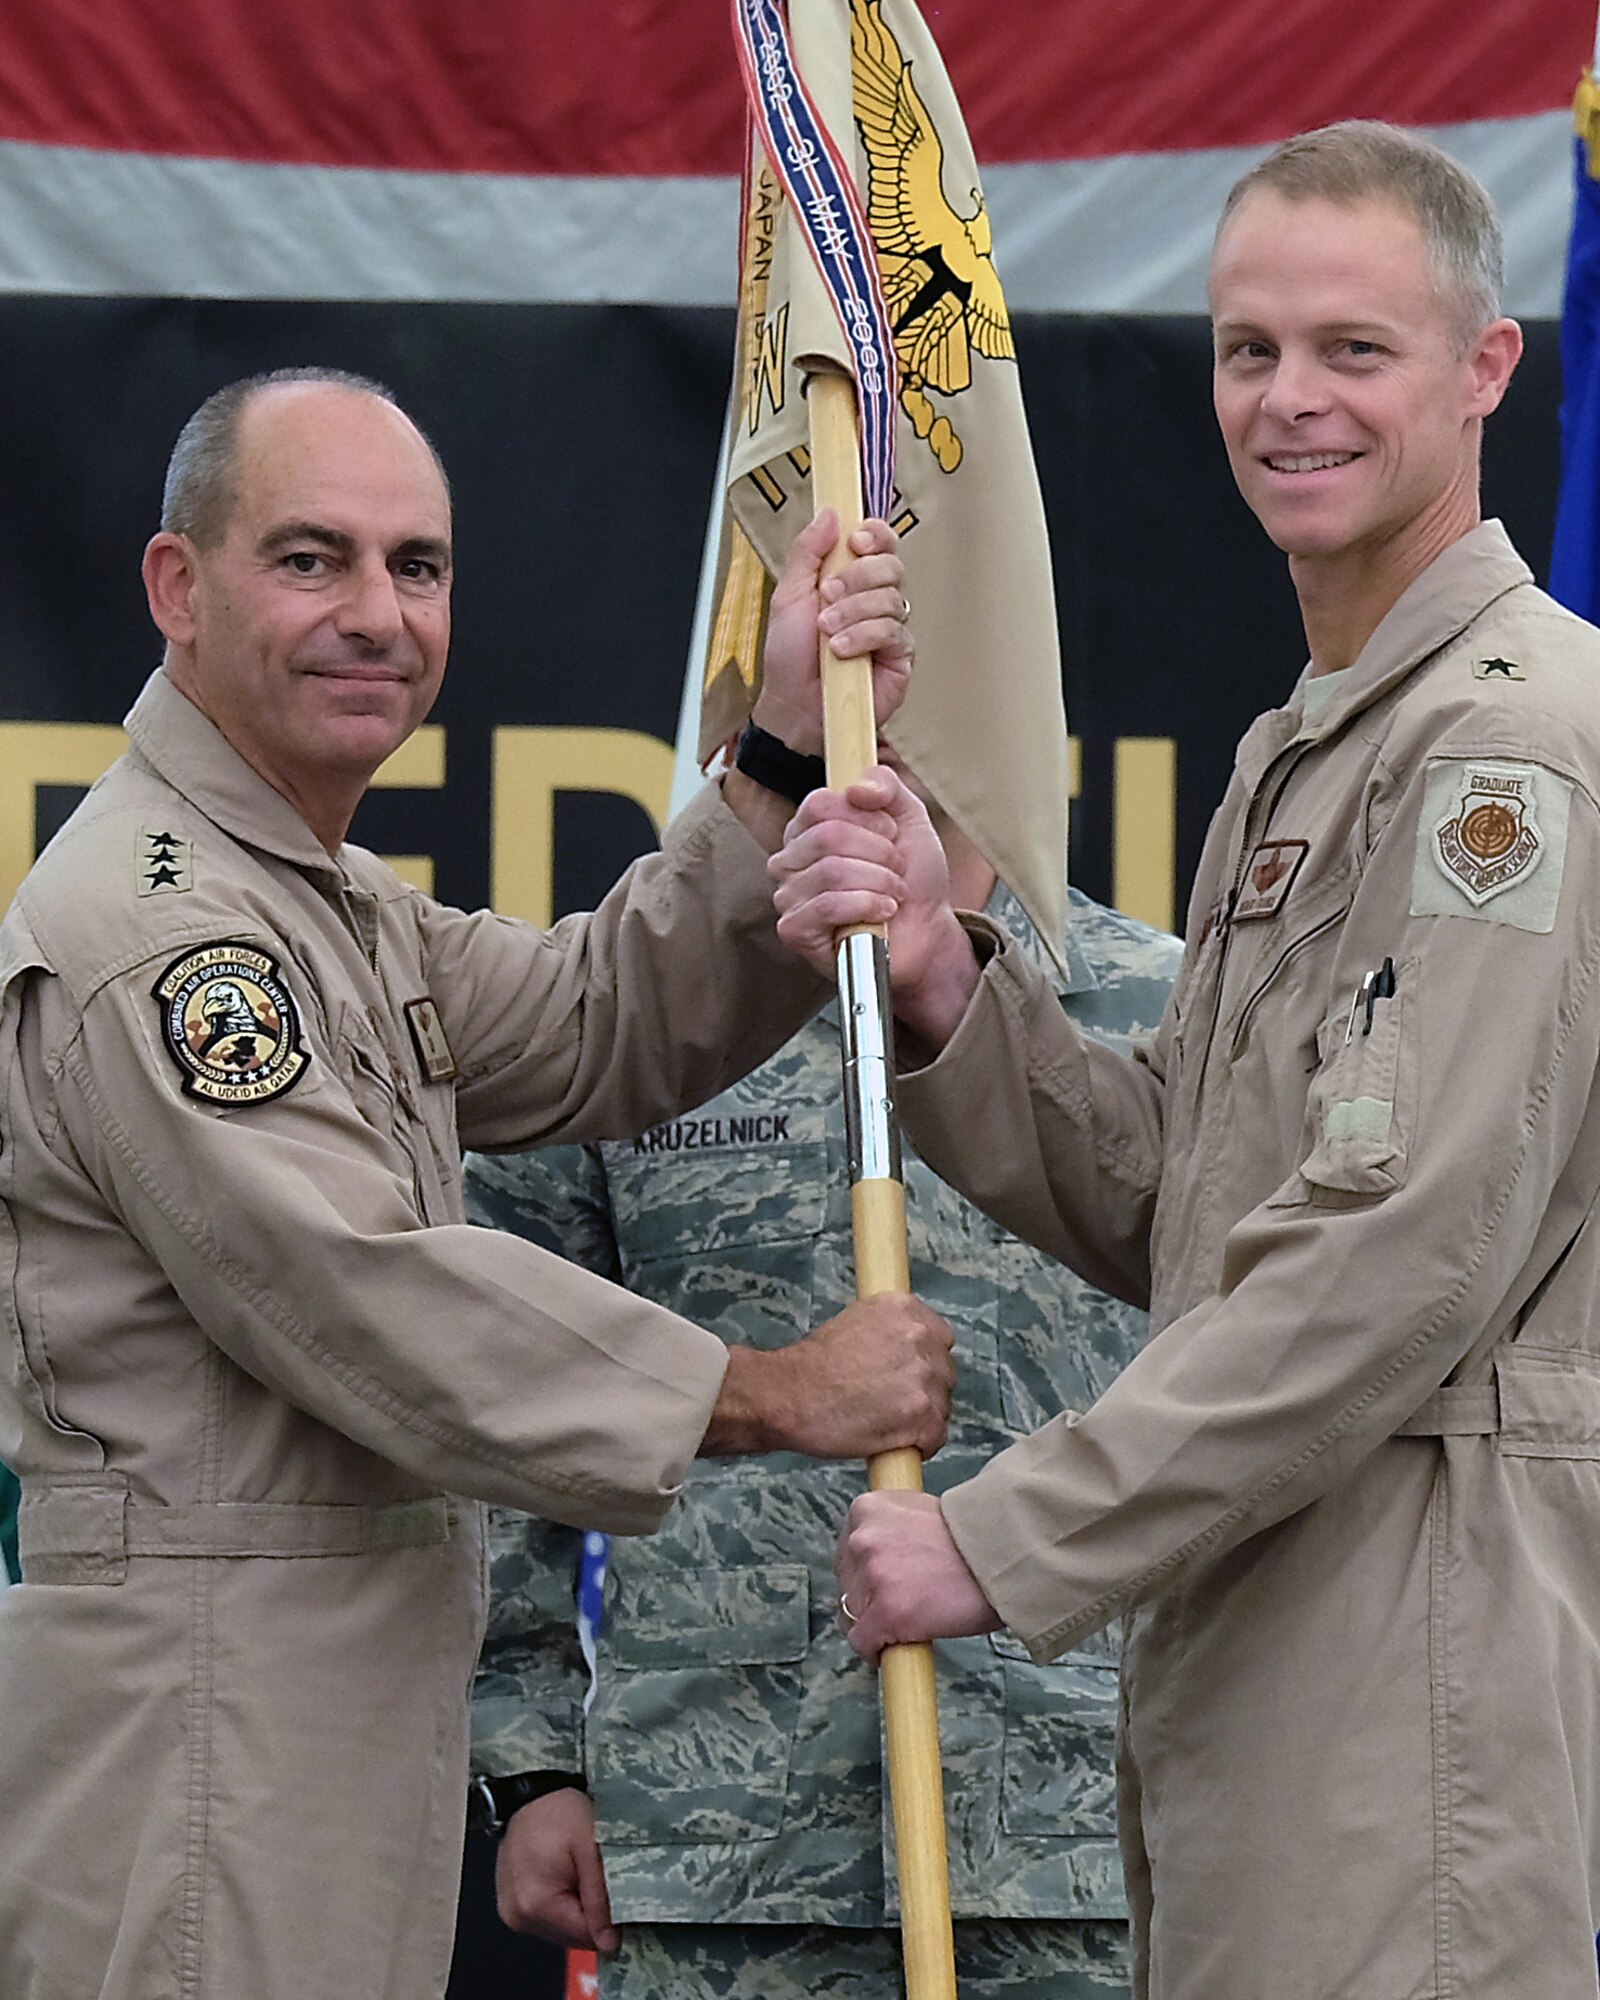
{"x":231,"y":1025}
{"x":165,"y":862}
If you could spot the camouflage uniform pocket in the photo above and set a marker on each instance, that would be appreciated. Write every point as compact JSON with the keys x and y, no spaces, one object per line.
{"x":725,"y":1228}
{"x":699,"y":1694}
{"x":1058,"y":1762}
{"x":1062,"y":1343}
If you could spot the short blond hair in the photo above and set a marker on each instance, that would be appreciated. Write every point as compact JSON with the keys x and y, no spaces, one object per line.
{"x":1361,"y":159}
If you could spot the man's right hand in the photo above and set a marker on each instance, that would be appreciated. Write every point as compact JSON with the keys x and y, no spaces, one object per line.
{"x":869,"y":855}
{"x":549,"y":1879}
{"x":874,"y":1378}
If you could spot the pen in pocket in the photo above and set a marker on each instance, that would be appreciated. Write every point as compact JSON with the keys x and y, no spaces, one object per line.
{"x":1379,"y":984}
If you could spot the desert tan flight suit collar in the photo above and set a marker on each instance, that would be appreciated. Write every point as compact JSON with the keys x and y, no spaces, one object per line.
{"x":1455,"y":588}
{"x":194,"y":757}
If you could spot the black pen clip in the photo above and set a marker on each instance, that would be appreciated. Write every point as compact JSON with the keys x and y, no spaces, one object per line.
{"x":1380,"y":985}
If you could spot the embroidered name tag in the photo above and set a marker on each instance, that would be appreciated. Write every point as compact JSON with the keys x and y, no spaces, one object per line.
{"x":1271,"y":875}
{"x":430,"y":1041}
{"x":1492,"y":842}
{"x":231,"y":1025}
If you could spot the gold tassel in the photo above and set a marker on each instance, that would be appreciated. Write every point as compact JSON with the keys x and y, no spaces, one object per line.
{"x":741,"y":610}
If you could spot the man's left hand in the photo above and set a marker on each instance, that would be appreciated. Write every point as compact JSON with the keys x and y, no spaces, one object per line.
{"x":902,"y":1579}
{"x":860,"y":611}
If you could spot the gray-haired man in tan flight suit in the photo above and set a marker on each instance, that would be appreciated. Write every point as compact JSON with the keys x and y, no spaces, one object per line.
{"x":254,"y":1348}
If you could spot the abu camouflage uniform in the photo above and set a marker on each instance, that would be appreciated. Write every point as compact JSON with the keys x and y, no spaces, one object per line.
{"x":732,"y":1748}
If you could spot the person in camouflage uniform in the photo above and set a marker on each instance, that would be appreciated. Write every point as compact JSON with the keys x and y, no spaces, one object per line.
{"x":732,"y":1749}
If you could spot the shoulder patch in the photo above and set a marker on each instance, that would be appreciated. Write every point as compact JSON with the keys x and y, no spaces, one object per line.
{"x":1492,"y":842}
{"x":230,"y":1024}
{"x":165,"y":862}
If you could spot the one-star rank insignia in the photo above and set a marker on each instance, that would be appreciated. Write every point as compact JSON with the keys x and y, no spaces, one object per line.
{"x":1490,"y":840}
{"x":231,"y":1025}
{"x":1497,"y":670}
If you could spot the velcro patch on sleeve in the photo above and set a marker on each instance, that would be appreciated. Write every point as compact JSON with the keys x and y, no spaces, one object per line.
{"x":1492,"y":842}
{"x":231,"y":1025}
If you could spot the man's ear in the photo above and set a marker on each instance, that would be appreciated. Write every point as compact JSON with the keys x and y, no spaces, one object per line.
{"x":1493,"y":361}
{"x":170,"y":576}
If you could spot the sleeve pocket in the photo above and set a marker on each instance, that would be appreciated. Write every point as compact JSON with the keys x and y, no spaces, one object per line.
{"x":1361,"y":1113}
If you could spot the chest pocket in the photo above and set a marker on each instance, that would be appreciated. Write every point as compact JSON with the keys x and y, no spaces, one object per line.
{"x":1062,"y":1343}
{"x":388,"y":1098}
{"x":958,"y":1258}
{"x":1286,"y":974}
{"x":722,"y":1211}
{"x":366,"y":1071}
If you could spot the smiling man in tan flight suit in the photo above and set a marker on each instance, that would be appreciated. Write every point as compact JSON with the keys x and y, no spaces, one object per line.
{"x":1350,"y":1490}
{"x":252,"y":1345}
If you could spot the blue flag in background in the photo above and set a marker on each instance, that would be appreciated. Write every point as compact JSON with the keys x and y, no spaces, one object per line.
{"x":1575,"y":558}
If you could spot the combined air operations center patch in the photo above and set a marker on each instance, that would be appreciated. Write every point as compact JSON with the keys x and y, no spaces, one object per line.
{"x":230,"y":1024}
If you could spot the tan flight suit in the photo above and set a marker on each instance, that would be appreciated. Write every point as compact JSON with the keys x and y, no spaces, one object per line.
{"x":253,"y":1346}
{"x":1353,"y":1482}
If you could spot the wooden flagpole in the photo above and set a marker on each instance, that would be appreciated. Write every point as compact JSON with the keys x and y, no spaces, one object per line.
{"x":878,"y":1206}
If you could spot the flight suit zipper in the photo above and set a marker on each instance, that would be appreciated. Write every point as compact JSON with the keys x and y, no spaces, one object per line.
{"x":1253,"y":834}
{"x":1290,"y":950}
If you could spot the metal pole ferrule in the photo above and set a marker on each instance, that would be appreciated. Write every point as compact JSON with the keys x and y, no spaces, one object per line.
{"x":866,"y":1035}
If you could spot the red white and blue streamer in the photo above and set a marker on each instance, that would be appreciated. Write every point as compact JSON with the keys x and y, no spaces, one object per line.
{"x":822,"y":194}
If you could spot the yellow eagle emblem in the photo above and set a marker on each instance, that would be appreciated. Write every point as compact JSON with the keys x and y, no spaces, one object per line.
{"x":943,"y":292}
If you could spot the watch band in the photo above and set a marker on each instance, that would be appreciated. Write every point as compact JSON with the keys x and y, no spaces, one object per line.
{"x":777,"y":768}
{"x":492,"y":1801}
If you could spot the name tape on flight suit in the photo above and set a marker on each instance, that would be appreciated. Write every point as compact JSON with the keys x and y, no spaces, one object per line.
{"x":430,"y":1041}
{"x":1274,"y":867}
{"x":1492,"y":842}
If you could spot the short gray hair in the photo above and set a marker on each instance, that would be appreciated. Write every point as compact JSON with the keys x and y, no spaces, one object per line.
{"x":198,"y":495}
{"x":1360,"y":159}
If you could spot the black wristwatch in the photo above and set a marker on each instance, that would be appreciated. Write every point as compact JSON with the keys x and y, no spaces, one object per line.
{"x":492,"y":1801}
{"x":777,"y":768}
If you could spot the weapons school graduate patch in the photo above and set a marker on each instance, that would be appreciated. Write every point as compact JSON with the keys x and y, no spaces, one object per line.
{"x":230,"y":1024}
{"x":1492,"y":842}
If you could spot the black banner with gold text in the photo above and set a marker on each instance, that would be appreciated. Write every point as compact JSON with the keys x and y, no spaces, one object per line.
{"x":581,"y":442}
